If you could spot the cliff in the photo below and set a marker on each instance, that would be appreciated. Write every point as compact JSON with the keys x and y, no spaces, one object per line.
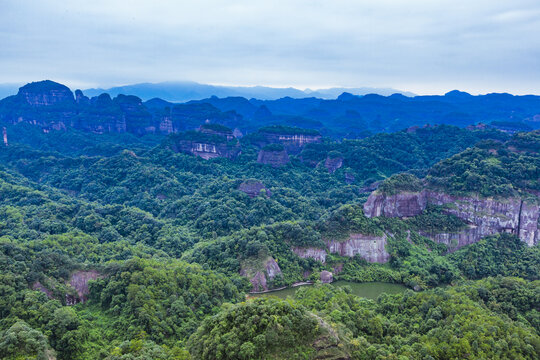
{"x":292,"y":139}
{"x":332,"y":164}
{"x":46,"y":93}
{"x":369,"y":247}
{"x":204,"y":144}
{"x":253,"y":188}
{"x":260,"y":275}
{"x":52,"y":106}
{"x":485,"y":216}
{"x":217,"y":129}
{"x":273,"y":155}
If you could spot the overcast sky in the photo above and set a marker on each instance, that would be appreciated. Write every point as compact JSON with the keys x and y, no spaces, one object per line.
{"x":424,"y":46}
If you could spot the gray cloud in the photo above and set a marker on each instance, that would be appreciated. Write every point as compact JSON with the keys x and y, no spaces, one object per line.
{"x":425,"y":46}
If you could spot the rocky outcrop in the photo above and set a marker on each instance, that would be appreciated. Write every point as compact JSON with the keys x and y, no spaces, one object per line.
{"x":253,"y":188}
{"x":326,"y":277}
{"x":45,"y":93}
{"x":204,"y":145}
{"x":274,"y":158}
{"x":332,"y":164}
{"x":218,"y":130}
{"x":272,"y":268}
{"x":259,"y":278}
{"x":52,"y":106}
{"x":165,"y":125}
{"x":485,"y":216}
{"x":292,"y":139}
{"x":310,"y":252}
{"x":349,"y":178}
{"x":79,"y":282}
{"x":369,"y":247}
{"x":37,"y":286}
{"x":404,"y":204}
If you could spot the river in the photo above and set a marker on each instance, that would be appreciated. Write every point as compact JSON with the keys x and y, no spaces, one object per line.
{"x":370,"y":290}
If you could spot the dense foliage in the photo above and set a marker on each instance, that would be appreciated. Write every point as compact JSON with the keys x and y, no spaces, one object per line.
{"x":119,"y":247}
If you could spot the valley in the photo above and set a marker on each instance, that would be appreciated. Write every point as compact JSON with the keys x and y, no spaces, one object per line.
{"x":135,"y":229}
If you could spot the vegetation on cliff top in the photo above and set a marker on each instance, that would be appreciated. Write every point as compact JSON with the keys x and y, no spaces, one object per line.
{"x":169,"y":233}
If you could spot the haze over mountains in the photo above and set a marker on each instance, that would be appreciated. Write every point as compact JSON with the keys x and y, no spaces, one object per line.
{"x":348,"y":115}
{"x":180,"y":91}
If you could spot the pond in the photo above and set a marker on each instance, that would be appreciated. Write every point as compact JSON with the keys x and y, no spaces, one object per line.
{"x":370,"y":290}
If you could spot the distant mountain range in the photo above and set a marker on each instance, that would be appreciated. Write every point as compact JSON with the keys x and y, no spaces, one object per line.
{"x":53,"y":106}
{"x":183,"y":91}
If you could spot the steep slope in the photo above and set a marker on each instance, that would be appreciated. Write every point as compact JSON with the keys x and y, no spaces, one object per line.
{"x":493,"y":187}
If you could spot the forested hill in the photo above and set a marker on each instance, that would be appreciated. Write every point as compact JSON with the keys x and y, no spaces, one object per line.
{"x":124,"y":240}
{"x":50,"y":105}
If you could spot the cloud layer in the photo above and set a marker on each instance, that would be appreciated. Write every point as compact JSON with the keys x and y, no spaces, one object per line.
{"x":424,"y":46}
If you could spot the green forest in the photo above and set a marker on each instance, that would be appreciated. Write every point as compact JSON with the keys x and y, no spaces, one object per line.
{"x":123,"y":247}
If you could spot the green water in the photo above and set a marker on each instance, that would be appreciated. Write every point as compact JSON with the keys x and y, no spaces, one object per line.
{"x":369,"y":290}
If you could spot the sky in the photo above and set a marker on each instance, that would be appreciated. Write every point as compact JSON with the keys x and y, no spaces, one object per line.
{"x":423,"y":46}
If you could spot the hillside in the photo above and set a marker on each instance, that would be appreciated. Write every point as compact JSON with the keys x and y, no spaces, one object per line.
{"x":348,"y":116}
{"x":133,"y":230}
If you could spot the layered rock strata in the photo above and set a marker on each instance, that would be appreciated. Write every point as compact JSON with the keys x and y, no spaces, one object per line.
{"x":370,"y":247}
{"x":485,"y":216}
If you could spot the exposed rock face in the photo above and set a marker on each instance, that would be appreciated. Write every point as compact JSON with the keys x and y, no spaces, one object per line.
{"x":215,"y":129}
{"x":486,"y":216}
{"x":45,"y":93}
{"x":349,"y":178}
{"x":273,"y":158}
{"x":138,"y":120}
{"x":207,"y":150}
{"x":39,"y":287}
{"x":79,"y":281}
{"x":404,"y":204}
{"x":166,"y":125}
{"x":253,"y":188}
{"x":326,"y":277}
{"x":52,"y":106}
{"x":369,"y":247}
{"x":205,"y":145}
{"x":237,"y":133}
{"x":272,"y":268}
{"x":4,"y":135}
{"x":333,"y":164}
{"x":259,"y":278}
{"x":80,"y":98}
{"x":292,"y":143}
{"x":310,"y":252}
{"x":292,"y":139}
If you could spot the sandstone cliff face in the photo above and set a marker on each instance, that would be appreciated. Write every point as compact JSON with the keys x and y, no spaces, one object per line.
{"x":45,"y":93}
{"x":333,"y":164}
{"x":253,"y":188}
{"x":259,"y":278}
{"x":292,"y":143}
{"x":310,"y":252}
{"x":485,"y":216}
{"x":52,"y":106}
{"x":326,"y":277}
{"x":404,"y":204}
{"x":273,"y":158}
{"x":219,"y":131}
{"x":369,"y":247}
{"x":166,"y":125}
{"x":207,"y":150}
{"x":79,"y":281}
